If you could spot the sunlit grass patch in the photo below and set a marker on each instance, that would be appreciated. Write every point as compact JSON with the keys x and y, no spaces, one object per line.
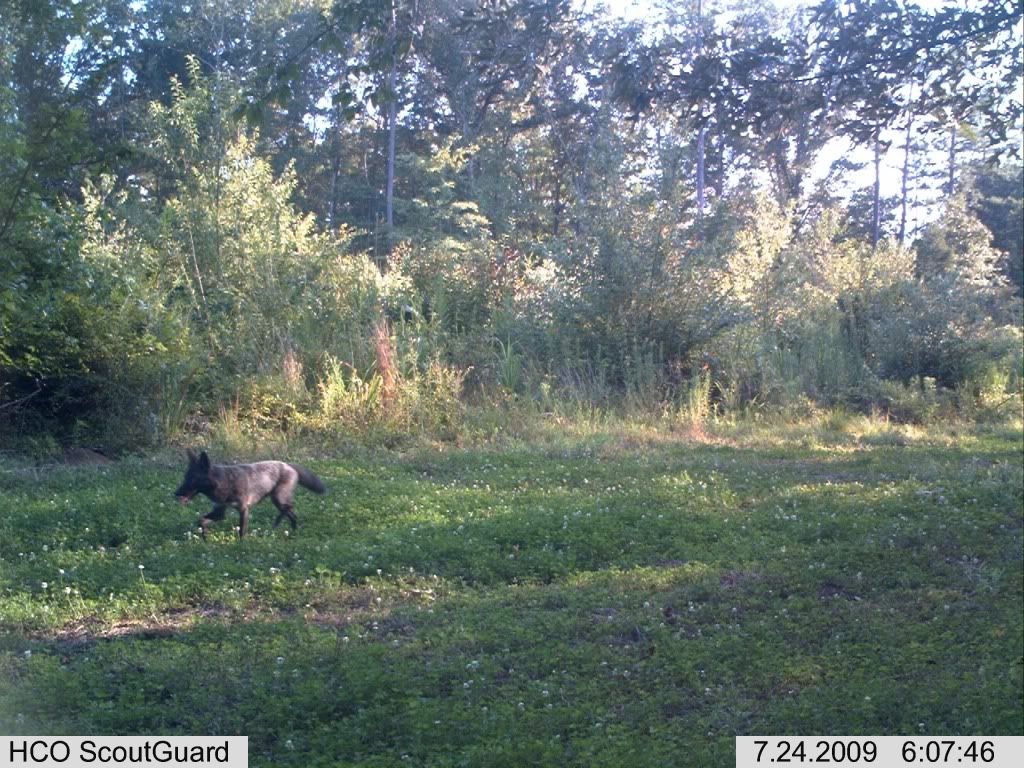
{"x":594,"y":598}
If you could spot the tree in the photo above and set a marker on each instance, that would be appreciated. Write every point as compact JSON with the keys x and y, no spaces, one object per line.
{"x":56,"y":63}
{"x":995,"y":194}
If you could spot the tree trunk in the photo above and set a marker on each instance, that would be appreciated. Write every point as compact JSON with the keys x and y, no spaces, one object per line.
{"x":700,"y":175}
{"x":717,"y":180}
{"x":703,"y":127}
{"x":332,"y":202}
{"x":556,"y":208}
{"x":876,"y":206}
{"x":389,"y":192}
{"x":951,"y":180}
{"x":906,"y":178}
{"x":468,"y":139}
{"x":332,"y":209}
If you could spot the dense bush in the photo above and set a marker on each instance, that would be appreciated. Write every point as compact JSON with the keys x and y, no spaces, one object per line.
{"x":195,"y":301}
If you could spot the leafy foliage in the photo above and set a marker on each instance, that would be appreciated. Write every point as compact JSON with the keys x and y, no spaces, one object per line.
{"x":544,"y":204}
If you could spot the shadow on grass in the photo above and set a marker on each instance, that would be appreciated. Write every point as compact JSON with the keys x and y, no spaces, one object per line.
{"x":510,"y":609}
{"x":600,"y":668}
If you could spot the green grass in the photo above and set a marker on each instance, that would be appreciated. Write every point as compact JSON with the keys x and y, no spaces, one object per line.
{"x":595,"y":596}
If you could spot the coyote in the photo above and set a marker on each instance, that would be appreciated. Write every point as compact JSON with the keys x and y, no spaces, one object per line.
{"x":243,"y":486}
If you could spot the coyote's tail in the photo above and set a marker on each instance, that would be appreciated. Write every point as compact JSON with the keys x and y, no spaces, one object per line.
{"x":308,"y":480}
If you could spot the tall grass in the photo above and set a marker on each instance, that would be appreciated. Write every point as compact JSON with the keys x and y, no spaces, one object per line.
{"x":695,"y":407}
{"x":387,"y":366}
{"x":383,"y":383}
{"x":509,"y":364}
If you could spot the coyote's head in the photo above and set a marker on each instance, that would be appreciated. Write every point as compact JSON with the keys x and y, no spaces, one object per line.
{"x":197,"y":477}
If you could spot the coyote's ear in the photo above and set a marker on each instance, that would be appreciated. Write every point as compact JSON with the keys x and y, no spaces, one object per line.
{"x":204,"y":461}
{"x":191,"y":455}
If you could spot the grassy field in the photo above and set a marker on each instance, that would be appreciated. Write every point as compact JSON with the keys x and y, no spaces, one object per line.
{"x":606,"y":596}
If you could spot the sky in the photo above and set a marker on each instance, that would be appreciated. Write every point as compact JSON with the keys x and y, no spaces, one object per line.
{"x":638,"y":10}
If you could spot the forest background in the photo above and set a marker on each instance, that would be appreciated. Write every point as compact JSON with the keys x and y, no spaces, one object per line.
{"x":224,"y":220}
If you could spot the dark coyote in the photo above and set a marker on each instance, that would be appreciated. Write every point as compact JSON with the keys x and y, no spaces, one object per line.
{"x":243,"y":486}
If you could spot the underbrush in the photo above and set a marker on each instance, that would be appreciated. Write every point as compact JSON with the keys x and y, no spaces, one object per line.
{"x":405,"y":392}
{"x":433,"y":408}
